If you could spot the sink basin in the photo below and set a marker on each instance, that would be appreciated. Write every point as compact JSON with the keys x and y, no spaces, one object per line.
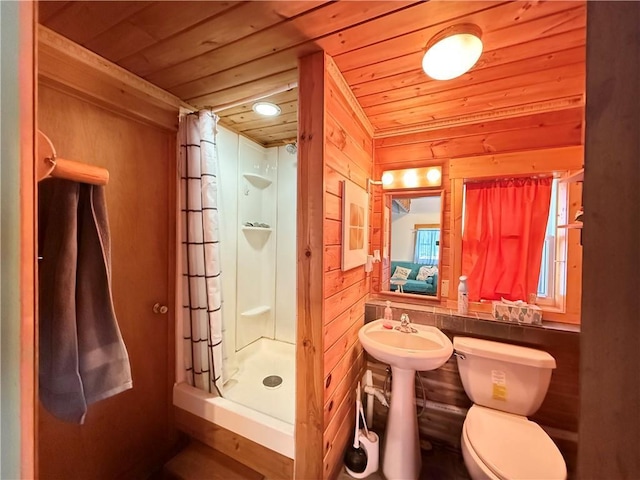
{"x":427,"y":349}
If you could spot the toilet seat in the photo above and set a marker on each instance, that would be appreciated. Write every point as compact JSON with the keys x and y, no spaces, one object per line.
{"x":511,"y":446}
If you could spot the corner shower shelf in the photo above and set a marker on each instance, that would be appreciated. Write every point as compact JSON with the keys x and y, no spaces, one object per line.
{"x":257,"y":229}
{"x":254,"y":312}
{"x":257,"y":180}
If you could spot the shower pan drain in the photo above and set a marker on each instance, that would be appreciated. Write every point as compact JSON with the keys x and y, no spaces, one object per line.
{"x":272,"y":381}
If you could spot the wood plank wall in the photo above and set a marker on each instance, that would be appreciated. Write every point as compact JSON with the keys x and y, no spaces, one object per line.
{"x":345,"y":153}
{"x":348,"y":157}
{"x":437,"y":147}
{"x":130,"y":434}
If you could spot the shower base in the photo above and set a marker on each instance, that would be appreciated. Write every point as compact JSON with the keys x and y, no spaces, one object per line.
{"x":259,"y":360}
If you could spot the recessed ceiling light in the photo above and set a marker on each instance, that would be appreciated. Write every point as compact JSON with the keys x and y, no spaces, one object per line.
{"x":266,"y":108}
{"x":452,"y":52}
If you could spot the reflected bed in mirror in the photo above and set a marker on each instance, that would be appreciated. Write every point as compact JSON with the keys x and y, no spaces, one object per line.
{"x":414,"y":242}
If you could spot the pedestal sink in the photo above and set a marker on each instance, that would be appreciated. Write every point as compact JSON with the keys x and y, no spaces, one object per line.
{"x":424,"y":348}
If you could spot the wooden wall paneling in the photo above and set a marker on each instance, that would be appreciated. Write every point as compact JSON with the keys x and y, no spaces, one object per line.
{"x":334,"y":354}
{"x":539,"y":20}
{"x":66,"y":65}
{"x":359,"y":45}
{"x":549,"y":50}
{"x":332,"y":257}
{"x":519,"y":163}
{"x":519,"y":123}
{"x":157,"y":21}
{"x":88,"y":19}
{"x":408,"y":112}
{"x":337,"y":280}
{"x":518,"y":75}
{"x":482,"y":144}
{"x":46,"y":10}
{"x":336,"y":436}
{"x":349,"y":156}
{"x":335,"y":327}
{"x":333,"y":17}
{"x":351,"y":355}
{"x":114,"y":428}
{"x":567,"y":80}
{"x":287,"y":101}
{"x":309,"y":426}
{"x":610,"y":332}
{"x":269,"y":463}
{"x":246,"y":73}
{"x":224,"y":28}
{"x":247,"y":91}
{"x":333,"y":232}
{"x":272,"y":62}
{"x":349,"y":169}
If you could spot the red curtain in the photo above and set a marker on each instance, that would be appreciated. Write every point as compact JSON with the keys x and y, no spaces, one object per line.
{"x":504,"y":231}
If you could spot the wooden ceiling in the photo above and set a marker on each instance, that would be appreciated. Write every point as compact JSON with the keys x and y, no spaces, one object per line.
{"x":225,"y":55}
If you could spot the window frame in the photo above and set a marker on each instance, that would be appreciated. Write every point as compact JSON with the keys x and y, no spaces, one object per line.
{"x":557,"y":161}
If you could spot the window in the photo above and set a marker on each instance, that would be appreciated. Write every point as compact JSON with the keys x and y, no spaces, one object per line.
{"x":546,"y":283}
{"x":561,"y":300}
{"x":427,"y":245}
{"x":551,"y":280}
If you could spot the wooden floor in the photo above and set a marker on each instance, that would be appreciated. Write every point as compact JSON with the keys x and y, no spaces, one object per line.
{"x":197,"y":461}
{"x":200,"y":462}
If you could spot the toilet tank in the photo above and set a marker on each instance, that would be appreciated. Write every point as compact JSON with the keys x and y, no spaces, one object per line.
{"x":501,"y":376}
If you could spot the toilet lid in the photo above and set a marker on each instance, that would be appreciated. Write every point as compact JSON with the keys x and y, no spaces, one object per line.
{"x":512,"y":446}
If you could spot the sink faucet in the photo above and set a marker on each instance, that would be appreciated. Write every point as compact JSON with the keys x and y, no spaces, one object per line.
{"x":405,"y":324}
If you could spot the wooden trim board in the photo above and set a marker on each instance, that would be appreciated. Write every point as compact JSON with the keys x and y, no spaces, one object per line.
{"x":66,"y":65}
{"x":267,"y":462}
{"x":310,"y":252}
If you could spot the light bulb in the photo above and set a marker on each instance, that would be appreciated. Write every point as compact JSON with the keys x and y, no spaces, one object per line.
{"x":453,"y":52}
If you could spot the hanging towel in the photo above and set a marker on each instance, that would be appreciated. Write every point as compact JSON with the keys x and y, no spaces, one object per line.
{"x":83,"y":358}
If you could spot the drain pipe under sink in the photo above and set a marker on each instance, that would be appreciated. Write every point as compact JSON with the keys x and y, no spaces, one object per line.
{"x":371,"y":391}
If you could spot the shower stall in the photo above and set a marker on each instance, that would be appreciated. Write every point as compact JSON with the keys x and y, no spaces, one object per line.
{"x":257,"y":190}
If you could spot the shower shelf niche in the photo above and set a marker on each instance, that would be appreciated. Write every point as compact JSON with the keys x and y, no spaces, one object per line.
{"x":256,"y":229}
{"x":256,"y":180}
{"x":254,"y":312}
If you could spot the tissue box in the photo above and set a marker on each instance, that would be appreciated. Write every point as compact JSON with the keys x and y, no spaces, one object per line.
{"x":525,"y":314}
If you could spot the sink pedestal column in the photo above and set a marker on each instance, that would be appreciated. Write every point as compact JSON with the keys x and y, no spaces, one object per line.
{"x":401,"y":448}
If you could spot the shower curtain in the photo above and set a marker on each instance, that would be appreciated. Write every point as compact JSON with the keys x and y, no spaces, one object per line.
{"x":201,"y":284}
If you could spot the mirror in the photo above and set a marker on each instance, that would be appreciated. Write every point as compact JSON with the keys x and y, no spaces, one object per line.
{"x":413,"y":229}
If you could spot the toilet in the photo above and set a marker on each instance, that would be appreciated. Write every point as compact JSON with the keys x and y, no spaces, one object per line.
{"x":506,"y":383}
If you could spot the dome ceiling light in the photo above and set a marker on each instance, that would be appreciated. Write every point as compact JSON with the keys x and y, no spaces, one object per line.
{"x":267,"y":109}
{"x":452,"y":52}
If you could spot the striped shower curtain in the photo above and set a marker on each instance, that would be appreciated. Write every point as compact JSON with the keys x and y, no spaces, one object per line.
{"x":201,"y":283}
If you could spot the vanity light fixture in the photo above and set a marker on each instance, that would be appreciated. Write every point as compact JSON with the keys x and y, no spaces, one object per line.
{"x":267,"y":109}
{"x":412,"y":178}
{"x":452,"y":52}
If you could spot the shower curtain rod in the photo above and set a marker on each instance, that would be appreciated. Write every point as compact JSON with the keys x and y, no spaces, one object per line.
{"x":254,"y":98}
{"x":49,"y":165}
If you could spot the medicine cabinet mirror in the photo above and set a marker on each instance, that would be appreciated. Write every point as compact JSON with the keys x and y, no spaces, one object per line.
{"x":413,"y":235}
